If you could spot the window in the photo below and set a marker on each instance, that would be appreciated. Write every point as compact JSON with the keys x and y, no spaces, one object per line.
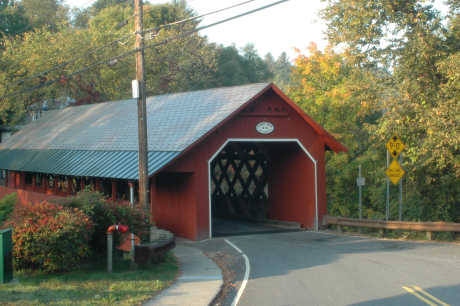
{"x":76,"y":181}
{"x":28,"y":178}
{"x":38,"y":180}
{"x":122,"y":190}
{"x":106,"y":188}
{"x":51,"y":181}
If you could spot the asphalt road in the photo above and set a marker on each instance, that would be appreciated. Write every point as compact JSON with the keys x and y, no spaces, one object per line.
{"x":307,"y":268}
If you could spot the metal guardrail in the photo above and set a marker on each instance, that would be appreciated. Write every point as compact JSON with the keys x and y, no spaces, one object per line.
{"x":428,"y":227}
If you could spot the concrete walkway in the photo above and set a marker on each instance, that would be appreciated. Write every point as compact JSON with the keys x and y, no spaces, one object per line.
{"x":199,"y":281}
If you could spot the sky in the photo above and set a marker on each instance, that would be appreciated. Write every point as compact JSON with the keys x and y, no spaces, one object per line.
{"x":293,"y":24}
{"x":280,"y":28}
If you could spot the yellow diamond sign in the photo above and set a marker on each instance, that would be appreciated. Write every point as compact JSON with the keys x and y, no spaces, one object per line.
{"x":395,"y":172}
{"x":395,"y":146}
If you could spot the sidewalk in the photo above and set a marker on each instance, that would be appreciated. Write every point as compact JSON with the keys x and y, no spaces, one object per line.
{"x":199,"y":281}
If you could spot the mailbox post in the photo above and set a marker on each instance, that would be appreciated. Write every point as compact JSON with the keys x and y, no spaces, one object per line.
{"x":6,"y":256}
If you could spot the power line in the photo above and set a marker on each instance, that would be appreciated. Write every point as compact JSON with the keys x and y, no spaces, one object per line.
{"x":129,"y":53}
{"x":128,"y":36}
{"x":196,"y":17}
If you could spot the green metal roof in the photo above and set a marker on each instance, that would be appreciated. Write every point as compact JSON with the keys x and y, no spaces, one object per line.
{"x":110,"y":164}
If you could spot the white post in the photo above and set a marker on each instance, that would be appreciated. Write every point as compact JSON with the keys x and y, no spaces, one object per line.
{"x":131,"y":200}
{"x":109,"y":252}
{"x":316,"y":196}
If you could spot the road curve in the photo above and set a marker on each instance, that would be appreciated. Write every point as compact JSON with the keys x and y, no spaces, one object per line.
{"x":307,"y":268}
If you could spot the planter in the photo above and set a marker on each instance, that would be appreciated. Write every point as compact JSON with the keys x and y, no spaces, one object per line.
{"x":155,"y":251}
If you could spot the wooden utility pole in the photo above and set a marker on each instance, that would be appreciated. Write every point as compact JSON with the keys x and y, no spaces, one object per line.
{"x":141,"y":107}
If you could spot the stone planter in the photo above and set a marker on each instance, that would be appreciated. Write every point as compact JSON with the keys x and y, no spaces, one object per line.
{"x":155,"y":251}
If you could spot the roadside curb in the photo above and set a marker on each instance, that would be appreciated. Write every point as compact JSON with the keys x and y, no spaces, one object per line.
{"x":199,"y":282}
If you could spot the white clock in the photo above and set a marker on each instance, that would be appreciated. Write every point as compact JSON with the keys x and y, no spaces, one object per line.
{"x":265,"y":127}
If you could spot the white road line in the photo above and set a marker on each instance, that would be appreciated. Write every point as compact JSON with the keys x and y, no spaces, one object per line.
{"x":246,"y":273}
{"x":234,"y":246}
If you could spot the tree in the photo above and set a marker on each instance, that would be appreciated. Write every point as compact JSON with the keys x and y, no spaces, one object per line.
{"x":45,"y":13}
{"x":12,"y":19}
{"x":418,"y":49}
{"x":337,"y":95}
{"x":180,"y":65}
{"x":240,"y":67}
{"x":280,"y":68}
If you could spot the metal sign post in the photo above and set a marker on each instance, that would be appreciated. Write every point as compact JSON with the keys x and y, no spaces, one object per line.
{"x":387,"y":206}
{"x":400,"y":192}
{"x":394,"y":171}
{"x":360,"y":181}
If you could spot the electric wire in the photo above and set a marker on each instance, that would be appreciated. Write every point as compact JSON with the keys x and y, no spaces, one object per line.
{"x":134,"y":51}
{"x":196,"y":17}
{"x":128,"y":36}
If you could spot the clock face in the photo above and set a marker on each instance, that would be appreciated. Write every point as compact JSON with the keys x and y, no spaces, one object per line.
{"x":265,"y":127}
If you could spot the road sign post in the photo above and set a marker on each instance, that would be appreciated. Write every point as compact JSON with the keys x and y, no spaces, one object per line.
{"x":394,"y":171}
{"x":400,"y":192}
{"x":360,"y":181}
{"x":387,"y":205}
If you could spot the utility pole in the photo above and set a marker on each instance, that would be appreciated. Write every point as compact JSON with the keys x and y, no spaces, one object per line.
{"x":141,"y":107}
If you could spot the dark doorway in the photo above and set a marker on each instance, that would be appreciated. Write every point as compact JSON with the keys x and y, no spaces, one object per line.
{"x":240,"y":190}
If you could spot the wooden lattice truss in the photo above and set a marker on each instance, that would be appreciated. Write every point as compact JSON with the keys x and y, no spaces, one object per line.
{"x":239,"y":184}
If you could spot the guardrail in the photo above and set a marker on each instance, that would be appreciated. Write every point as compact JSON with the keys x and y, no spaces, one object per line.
{"x":427,"y":227}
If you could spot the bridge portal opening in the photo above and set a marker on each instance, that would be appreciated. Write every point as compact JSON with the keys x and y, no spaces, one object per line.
{"x":261,"y":187}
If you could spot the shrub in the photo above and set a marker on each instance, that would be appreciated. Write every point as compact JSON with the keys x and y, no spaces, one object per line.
{"x":7,"y":206}
{"x":104,"y":213}
{"x":49,"y":237}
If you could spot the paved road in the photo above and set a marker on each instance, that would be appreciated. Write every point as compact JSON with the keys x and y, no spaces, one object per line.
{"x":306,"y":268}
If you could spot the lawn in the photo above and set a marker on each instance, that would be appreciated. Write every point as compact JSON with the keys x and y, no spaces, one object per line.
{"x":91,"y":285}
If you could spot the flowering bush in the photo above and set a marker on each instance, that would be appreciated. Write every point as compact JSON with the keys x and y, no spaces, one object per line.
{"x":49,"y":237}
{"x":104,"y":213}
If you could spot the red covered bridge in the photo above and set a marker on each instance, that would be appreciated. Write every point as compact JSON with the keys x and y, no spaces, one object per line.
{"x":245,"y":152}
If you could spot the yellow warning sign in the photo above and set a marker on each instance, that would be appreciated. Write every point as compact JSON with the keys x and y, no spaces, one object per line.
{"x":395,"y":146}
{"x":395,"y":172}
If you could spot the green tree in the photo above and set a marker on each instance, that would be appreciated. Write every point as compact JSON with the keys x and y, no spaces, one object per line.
{"x":12,"y":19}
{"x":280,"y":68}
{"x":339,"y":96}
{"x":45,"y":13}
{"x":240,"y":67}
{"x":410,"y":39}
{"x":180,"y":65}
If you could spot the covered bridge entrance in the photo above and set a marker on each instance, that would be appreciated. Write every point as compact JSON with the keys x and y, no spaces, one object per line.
{"x":262,"y":181}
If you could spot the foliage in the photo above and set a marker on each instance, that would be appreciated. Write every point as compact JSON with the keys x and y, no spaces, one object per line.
{"x":49,"y":237}
{"x":421,"y":99}
{"x":340,"y":98}
{"x":104,"y":213}
{"x":180,"y":65}
{"x":12,"y":19}
{"x":7,"y":204}
{"x":280,"y":68}
{"x":239,"y":67}
{"x":45,"y":13}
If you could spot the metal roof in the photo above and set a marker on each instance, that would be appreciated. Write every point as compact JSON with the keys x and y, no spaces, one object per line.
{"x":174,"y":122}
{"x":100,"y":140}
{"x":110,"y":164}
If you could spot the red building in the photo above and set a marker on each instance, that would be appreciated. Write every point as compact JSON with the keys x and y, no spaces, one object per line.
{"x":245,"y":152}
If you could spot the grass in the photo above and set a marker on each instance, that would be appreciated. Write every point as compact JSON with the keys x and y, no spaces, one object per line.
{"x":91,"y":285}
